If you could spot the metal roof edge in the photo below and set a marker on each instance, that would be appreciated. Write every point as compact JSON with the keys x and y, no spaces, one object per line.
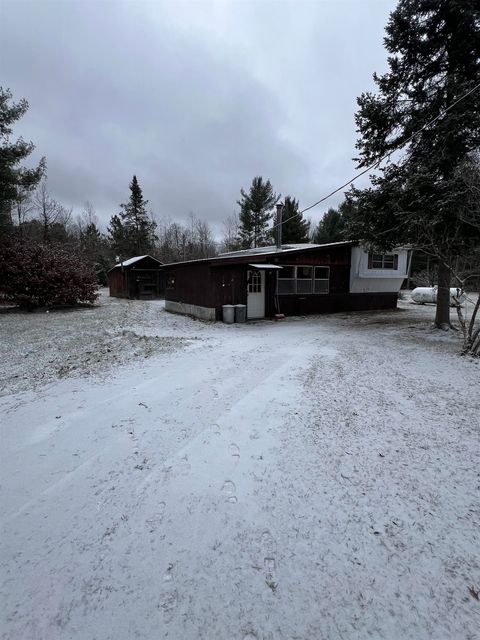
{"x":242,"y":256}
{"x":134,"y":259}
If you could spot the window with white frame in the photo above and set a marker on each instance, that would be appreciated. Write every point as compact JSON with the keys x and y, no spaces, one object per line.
{"x":382,"y":261}
{"x":303,"y":279}
{"x":321,"y":280}
{"x":254,"y":282}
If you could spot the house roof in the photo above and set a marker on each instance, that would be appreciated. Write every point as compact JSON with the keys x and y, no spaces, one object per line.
{"x":258,"y":252}
{"x":270,"y":249}
{"x":127,"y":263}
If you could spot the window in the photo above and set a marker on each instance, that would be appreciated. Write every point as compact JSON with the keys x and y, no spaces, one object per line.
{"x":254,"y":282}
{"x":382,"y":261}
{"x":322,"y":280}
{"x":303,"y":279}
{"x":286,"y":280}
{"x":170,"y":282}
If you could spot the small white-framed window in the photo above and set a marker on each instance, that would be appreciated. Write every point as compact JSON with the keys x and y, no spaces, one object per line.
{"x":254,"y":282}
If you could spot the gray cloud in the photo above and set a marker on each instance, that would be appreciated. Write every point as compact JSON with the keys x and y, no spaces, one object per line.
{"x":195,"y":98}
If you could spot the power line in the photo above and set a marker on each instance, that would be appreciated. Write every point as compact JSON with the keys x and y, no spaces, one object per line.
{"x":382,"y":158}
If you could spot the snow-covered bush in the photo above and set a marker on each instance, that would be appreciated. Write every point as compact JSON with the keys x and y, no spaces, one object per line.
{"x":42,"y":275}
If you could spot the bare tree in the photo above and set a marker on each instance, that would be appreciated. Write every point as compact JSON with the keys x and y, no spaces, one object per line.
{"x":231,"y":234}
{"x":178,"y":242}
{"x":470,"y":214}
{"x":85,"y":219}
{"x":49,"y":210}
{"x":23,"y":205}
{"x":470,"y":173}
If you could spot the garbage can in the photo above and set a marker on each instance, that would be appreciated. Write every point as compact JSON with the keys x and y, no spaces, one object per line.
{"x":240,"y":313}
{"x":228,"y":313}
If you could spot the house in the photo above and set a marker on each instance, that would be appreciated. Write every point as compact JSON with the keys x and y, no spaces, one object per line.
{"x":140,"y":277}
{"x":293,"y":280}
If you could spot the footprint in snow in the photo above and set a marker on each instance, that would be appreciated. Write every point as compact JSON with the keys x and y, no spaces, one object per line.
{"x":156,"y":519}
{"x":268,"y":547}
{"x":234,"y":452}
{"x":168,"y":575}
{"x":228,"y":491}
{"x":169,"y":597}
{"x":168,"y":604}
{"x":184,"y":465}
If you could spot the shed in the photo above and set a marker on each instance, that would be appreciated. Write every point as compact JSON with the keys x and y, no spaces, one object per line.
{"x":140,"y":277}
{"x":293,"y":280}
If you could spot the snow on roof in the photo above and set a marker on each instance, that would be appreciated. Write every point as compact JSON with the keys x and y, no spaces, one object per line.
{"x":274,"y":249}
{"x":267,"y":249}
{"x":261,"y":251}
{"x":265,"y":266}
{"x":126,"y":263}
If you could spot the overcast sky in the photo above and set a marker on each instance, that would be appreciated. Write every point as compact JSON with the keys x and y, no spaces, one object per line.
{"x":195,"y":98}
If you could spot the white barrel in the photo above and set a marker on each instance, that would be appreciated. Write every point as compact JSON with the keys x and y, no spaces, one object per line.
{"x":421,"y":295}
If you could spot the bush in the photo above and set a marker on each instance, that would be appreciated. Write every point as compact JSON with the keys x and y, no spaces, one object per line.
{"x":36,"y":275}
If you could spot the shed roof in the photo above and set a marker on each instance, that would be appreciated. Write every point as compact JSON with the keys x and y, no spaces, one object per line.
{"x":127,"y":263}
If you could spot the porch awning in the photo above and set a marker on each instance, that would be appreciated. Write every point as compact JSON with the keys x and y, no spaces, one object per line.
{"x":264,"y":266}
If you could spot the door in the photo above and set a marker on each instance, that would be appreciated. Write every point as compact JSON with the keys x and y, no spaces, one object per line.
{"x":255,"y":294}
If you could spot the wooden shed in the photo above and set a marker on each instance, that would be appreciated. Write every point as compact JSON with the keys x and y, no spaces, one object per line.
{"x":140,"y":277}
{"x":292,"y":280}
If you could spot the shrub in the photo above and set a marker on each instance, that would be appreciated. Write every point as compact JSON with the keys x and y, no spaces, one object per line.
{"x":36,"y":275}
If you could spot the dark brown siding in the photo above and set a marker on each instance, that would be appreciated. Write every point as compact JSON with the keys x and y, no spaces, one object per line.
{"x":305,"y":305}
{"x":193,"y":284}
{"x":207,"y":286}
{"x":230,"y":286}
{"x":116,"y":282}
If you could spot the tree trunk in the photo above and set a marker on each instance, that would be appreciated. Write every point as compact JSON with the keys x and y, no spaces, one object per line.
{"x":442,"y":316}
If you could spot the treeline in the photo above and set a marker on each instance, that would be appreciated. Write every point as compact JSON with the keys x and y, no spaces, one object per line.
{"x":30,"y":214}
{"x":135,"y":230}
{"x":38,"y":234}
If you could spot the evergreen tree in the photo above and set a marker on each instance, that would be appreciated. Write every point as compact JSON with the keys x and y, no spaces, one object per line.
{"x":295,"y":229}
{"x":255,"y":213}
{"x":434,"y":60}
{"x":14,"y":179}
{"x":131,"y":231}
{"x":331,"y":227}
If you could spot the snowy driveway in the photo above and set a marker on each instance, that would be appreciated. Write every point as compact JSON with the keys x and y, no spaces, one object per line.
{"x":311,"y":479}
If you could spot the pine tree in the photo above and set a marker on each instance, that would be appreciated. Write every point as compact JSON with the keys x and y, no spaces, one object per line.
{"x":131,"y":231}
{"x":331,"y":227}
{"x":256,"y":208}
{"x":295,"y":229}
{"x":434,"y":60}
{"x":14,"y":179}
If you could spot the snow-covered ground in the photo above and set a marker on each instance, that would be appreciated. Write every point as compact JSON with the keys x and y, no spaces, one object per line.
{"x":161,"y":477}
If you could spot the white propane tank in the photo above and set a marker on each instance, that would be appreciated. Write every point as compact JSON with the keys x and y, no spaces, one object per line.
{"x":421,"y":295}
